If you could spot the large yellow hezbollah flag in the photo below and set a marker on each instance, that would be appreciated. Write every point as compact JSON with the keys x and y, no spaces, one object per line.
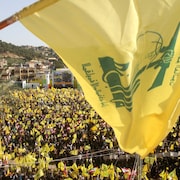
{"x":125,"y":55}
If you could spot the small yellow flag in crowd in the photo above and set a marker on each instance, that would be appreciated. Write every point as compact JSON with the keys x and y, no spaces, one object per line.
{"x":126,"y":57}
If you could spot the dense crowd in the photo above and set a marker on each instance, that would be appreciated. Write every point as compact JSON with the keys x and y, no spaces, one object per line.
{"x":56,"y":134}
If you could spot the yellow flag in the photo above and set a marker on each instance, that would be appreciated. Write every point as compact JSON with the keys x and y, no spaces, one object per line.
{"x":74,"y":152}
{"x":1,"y":150}
{"x":126,"y":59}
{"x":144,"y":172}
{"x":163,"y":175}
{"x":75,"y":168}
{"x":111,"y":172}
{"x":172,"y":175}
{"x":39,"y":174}
{"x":74,"y":138}
{"x":84,"y":171}
{"x":30,"y":159}
{"x":96,"y":171}
{"x":104,"y":171}
{"x":61,"y":166}
{"x":149,"y":160}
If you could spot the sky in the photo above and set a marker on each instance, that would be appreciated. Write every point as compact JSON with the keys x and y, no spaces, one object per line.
{"x":16,"y":33}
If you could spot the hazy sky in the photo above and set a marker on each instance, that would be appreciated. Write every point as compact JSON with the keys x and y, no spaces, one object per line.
{"x":16,"y":33}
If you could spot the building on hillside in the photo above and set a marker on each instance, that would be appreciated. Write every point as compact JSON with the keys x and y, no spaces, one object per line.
{"x":31,"y":64}
{"x":38,"y":64}
{"x":24,"y":73}
{"x":5,"y":74}
{"x":52,"y":59}
{"x":38,"y":71}
{"x":34,"y":64}
{"x":3,"y":63}
{"x":62,"y":78}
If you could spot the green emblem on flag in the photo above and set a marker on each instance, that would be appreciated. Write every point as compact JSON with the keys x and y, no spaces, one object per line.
{"x":113,"y":72}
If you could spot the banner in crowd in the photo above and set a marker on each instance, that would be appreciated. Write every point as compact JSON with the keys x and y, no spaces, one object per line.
{"x":126,"y":57}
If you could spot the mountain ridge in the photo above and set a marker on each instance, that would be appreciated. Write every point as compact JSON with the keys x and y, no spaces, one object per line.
{"x":21,"y":54}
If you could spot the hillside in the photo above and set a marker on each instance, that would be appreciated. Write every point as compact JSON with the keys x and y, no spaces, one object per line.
{"x":22,"y":54}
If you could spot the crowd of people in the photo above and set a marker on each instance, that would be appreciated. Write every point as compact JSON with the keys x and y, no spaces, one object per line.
{"x":56,"y":134}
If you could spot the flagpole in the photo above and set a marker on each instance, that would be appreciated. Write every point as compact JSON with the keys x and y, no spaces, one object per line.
{"x":8,"y":21}
{"x":140,"y":161}
{"x":136,"y":171}
{"x":26,"y":11}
